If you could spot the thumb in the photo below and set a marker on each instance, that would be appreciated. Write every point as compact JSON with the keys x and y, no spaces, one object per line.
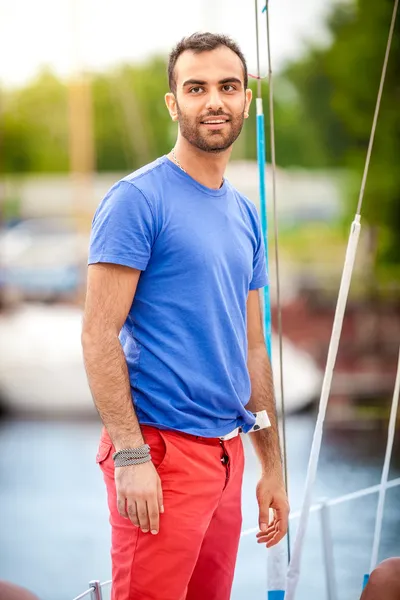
{"x":160,"y":497}
{"x":263,"y":518}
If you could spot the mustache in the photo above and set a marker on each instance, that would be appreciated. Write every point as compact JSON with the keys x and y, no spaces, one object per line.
{"x":214,"y":115}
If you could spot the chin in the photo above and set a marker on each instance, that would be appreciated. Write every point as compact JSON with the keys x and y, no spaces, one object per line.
{"x":217,"y":146}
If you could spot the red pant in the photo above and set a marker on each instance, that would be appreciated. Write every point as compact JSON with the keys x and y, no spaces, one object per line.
{"x":194,"y":554}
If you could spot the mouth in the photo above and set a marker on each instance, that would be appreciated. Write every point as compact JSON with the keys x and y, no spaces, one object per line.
{"x":215,"y":123}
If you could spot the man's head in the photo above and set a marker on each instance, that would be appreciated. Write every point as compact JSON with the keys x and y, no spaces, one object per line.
{"x":208,"y":78}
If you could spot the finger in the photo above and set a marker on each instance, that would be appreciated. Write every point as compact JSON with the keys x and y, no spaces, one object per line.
{"x":160,"y":496}
{"x":270,"y":525}
{"x":154,"y":518}
{"x":269,"y":534}
{"x":277,"y":538}
{"x":141,"y":508}
{"x":121,"y":504}
{"x":281,"y":510}
{"x":267,"y":530}
{"x":279,"y":535}
{"x":263,"y":520}
{"x":132,"y":513}
{"x":264,"y":538}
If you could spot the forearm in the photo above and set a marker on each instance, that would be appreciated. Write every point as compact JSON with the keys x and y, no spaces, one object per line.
{"x":108,"y":378}
{"x":265,"y":441}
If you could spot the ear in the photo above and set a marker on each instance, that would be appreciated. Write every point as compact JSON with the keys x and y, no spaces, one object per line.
{"x":249,"y":96}
{"x":170,"y":101}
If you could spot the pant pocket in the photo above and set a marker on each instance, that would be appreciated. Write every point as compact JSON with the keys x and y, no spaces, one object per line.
{"x":158,"y":446}
{"x":103,"y":451}
{"x":152,"y":436}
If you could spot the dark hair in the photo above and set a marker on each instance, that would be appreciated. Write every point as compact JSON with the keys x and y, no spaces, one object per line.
{"x":202,"y":42}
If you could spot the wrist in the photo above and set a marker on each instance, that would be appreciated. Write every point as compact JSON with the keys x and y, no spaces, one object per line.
{"x":131,"y":443}
{"x":268,"y":472}
{"x":132,"y":456}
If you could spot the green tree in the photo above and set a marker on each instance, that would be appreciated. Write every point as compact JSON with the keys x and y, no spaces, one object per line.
{"x":337,"y":87}
{"x":35,"y":126}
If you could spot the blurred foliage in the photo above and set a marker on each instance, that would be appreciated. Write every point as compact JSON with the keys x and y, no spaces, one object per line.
{"x":324,"y":104}
{"x":337,"y":87}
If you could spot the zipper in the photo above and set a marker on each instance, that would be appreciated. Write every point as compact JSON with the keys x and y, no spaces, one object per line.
{"x":226,"y":462}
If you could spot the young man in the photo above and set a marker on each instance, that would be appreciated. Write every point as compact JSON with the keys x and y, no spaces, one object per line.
{"x":174,"y":346}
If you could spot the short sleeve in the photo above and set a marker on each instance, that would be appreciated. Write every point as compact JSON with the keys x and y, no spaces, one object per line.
{"x":260,"y":276}
{"x":123,"y":228}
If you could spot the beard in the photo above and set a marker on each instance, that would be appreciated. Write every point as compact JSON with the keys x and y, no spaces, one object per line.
{"x":210,"y":140}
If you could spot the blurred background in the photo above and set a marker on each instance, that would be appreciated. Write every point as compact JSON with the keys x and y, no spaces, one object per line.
{"x":81,"y":105}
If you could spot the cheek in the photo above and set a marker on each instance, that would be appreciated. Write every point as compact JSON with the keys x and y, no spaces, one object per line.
{"x":190,"y":112}
{"x":236,"y":106}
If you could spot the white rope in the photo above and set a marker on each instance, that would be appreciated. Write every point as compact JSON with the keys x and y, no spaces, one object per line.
{"x":365,"y":492}
{"x":89,"y":591}
{"x":385,"y":471}
{"x":277,"y":262}
{"x":294,"y":567}
{"x":277,"y":566}
{"x":279,"y":555}
{"x":377,"y":107}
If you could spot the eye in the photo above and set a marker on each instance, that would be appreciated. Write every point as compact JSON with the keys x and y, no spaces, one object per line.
{"x":195,"y":90}
{"x":228,"y":88}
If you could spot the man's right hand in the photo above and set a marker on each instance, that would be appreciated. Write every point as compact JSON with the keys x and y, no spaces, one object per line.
{"x":139,"y":495}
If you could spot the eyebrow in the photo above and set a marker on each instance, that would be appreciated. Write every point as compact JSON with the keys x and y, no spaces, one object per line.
{"x":221,"y":82}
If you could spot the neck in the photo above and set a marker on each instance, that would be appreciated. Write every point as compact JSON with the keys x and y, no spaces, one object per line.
{"x":207,"y":168}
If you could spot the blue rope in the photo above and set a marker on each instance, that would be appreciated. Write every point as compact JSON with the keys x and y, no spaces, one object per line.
{"x":264,"y":223}
{"x":276,"y":595}
{"x":365,"y":581}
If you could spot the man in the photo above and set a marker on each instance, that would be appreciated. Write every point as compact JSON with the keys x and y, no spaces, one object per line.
{"x":174,"y":347}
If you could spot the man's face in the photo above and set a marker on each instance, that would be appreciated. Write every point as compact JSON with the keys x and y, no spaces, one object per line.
{"x":211,"y":102}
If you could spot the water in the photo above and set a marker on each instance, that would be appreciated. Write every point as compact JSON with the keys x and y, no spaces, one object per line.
{"x":54,"y":534}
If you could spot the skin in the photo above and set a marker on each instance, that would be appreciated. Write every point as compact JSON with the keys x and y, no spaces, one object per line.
{"x":10,"y":591}
{"x":203,"y":152}
{"x":270,"y":491}
{"x":384,"y":582}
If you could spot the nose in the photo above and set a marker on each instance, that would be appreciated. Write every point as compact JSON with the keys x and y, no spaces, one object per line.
{"x":214,"y":100}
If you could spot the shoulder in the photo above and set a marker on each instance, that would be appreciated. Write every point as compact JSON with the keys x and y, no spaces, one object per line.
{"x":247,"y":206}
{"x":141,"y":187}
{"x":148,"y":179}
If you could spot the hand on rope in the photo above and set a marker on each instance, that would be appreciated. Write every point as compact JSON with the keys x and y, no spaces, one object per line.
{"x":271,"y":494}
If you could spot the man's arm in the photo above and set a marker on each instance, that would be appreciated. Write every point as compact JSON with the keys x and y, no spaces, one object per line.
{"x":110,"y":293}
{"x":270,"y":490}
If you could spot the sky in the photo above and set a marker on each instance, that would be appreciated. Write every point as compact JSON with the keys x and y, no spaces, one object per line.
{"x":71,"y":34}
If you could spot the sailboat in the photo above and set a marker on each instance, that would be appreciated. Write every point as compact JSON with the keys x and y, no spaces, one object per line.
{"x":42,"y":371}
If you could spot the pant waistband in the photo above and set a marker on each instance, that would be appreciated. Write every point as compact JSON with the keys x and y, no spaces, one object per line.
{"x":195,"y":438}
{"x":262,"y":421}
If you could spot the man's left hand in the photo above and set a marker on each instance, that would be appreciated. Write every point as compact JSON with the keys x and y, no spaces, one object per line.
{"x":271,"y":493}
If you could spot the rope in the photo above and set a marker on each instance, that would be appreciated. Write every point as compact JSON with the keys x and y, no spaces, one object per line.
{"x":276,"y":246}
{"x":336,"y":501}
{"x":276,"y":556}
{"x":378,"y":105}
{"x":258,"y":77}
{"x":294,"y":567}
{"x":385,"y":471}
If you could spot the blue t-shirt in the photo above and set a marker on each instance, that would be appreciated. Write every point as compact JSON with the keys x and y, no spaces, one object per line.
{"x":200,"y":251}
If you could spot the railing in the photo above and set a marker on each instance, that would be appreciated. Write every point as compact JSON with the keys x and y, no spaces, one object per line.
{"x":95,"y":587}
{"x":95,"y":591}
